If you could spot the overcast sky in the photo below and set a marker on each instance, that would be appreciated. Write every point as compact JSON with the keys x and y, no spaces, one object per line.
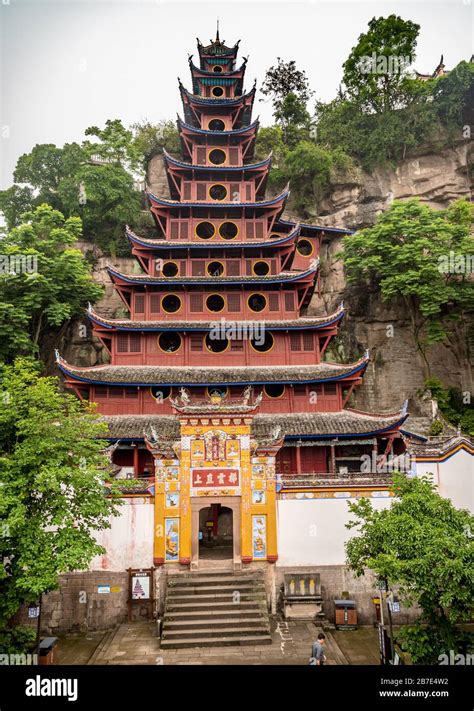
{"x":69,"y":64}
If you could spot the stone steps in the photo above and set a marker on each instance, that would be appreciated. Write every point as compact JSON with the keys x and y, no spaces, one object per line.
{"x":217,"y":641}
{"x":222,"y":624}
{"x":216,"y":591}
{"x":213,"y":614}
{"x":201,"y":610}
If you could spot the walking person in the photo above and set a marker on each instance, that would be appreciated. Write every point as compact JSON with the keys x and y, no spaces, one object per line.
{"x":318,"y":658}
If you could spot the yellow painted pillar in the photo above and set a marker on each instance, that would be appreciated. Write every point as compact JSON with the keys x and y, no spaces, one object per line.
{"x":159,"y":533}
{"x":185,"y":532}
{"x":272,"y":541}
{"x":246,"y":501}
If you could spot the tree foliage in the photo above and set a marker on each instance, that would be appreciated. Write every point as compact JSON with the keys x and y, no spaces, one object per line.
{"x":51,"y":491}
{"x":151,"y":138}
{"x":409,"y":255}
{"x":284,"y":78}
{"x":423,"y":545}
{"x":55,"y":285}
{"x":376,"y":73}
{"x":93,"y":181}
{"x":456,"y":406}
{"x":115,"y":143}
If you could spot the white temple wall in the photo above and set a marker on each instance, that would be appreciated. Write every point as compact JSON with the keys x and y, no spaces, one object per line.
{"x":129,"y":541}
{"x":313,"y":532}
{"x":454,"y":478}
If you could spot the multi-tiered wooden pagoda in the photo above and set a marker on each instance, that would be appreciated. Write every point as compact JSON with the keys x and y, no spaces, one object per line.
{"x":217,"y":383}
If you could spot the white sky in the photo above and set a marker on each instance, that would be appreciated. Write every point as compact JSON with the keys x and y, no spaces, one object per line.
{"x":69,"y":64}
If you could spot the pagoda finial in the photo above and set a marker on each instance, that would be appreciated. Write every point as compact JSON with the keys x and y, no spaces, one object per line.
{"x":217,"y":31}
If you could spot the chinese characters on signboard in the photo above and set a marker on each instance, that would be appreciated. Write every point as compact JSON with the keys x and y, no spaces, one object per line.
{"x":214,"y":477}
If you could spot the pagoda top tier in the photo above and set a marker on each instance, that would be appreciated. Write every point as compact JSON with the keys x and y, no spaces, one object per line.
{"x":217,"y":53}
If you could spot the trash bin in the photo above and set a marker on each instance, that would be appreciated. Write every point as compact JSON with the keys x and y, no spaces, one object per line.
{"x":346,"y":614}
{"x":47,"y":654}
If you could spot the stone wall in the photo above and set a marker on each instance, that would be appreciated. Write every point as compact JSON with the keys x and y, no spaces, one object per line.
{"x":337,"y":579}
{"x":78,"y":606}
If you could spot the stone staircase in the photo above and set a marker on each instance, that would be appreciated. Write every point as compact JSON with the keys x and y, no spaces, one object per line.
{"x":213,"y":609}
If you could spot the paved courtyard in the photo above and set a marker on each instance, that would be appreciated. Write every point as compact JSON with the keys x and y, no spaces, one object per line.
{"x":138,"y":643}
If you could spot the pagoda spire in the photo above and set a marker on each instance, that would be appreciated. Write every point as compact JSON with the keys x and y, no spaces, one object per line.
{"x":217,"y":32}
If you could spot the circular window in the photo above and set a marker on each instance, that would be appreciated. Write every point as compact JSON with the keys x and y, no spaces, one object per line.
{"x":170,"y":269}
{"x":274,"y":390}
{"x":169,"y":342}
{"x":218,"y":192}
{"x":228,"y":230}
{"x":304,"y":247}
{"x":217,"y":156}
{"x":216,"y":125}
{"x":160,"y":392}
{"x":215,"y":302}
{"x":257,"y":302}
{"x":261,"y":268}
{"x":217,"y":69}
{"x":171,"y":303}
{"x":205,"y":230}
{"x":216,"y":345}
{"x":217,"y":91}
{"x":263,"y":345}
{"x":215,"y":269}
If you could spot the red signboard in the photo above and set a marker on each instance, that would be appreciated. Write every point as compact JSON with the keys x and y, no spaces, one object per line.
{"x":214,"y":477}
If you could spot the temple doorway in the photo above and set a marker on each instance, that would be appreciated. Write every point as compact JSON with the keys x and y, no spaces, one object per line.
{"x":216,"y":538}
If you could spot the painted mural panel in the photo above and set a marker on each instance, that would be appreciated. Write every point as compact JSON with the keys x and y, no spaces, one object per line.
{"x":172,"y":539}
{"x":172,"y":500}
{"x":258,"y":496}
{"x":259,"y":536}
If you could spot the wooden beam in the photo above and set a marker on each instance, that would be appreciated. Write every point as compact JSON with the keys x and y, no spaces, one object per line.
{"x":349,"y":393}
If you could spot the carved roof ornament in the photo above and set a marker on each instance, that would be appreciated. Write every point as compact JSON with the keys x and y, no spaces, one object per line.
{"x":217,"y":402}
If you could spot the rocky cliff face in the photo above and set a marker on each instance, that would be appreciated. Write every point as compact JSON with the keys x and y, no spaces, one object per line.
{"x":395,"y":372}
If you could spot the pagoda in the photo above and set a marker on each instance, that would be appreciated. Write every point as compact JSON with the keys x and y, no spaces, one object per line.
{"x":217,"y":392}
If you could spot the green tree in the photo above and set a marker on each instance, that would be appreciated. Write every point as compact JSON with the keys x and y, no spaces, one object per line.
{"x":151,"y":138}
{"x":294,"y":119}
{"x":455,"y":405}
{"x":45,"y":167}
{"x":115,"y":144}
{"x":453,"y":96}
{"x":376,"y":73}
{"x":408,"y":255}
{"x":423,"y":545}
{"x":14,"y":202}
{"x":308,"y":167}
{"x":103,"y":196}
{"x":283,"y":79}
{"x":51,"y":485}
{"x":94,"y":181}
{"x":44,"y":280}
